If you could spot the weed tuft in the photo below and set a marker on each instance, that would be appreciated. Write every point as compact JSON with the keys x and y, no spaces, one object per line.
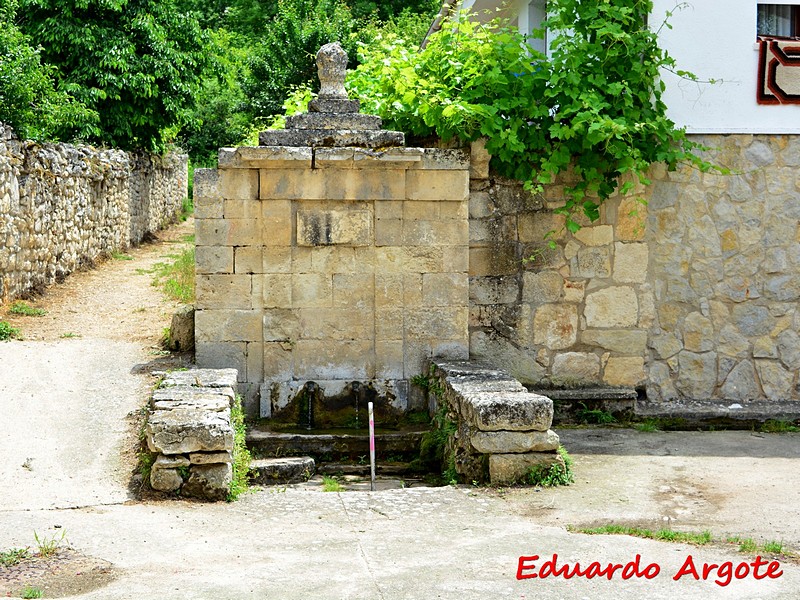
{"x":778,"y":426}
{"x":241,"y":455}
{"x":176,"y":279}
{"x":331,"y":484}
{"x":9,"y":558}
{"x":7,"y":332}
{"x":70,"y":334}
{"x":595,"y":416}
{"x":665,"y":535}
{"x":117,"y":255}
{"x":553,"y":475}
{"x":31,"y":592}
{"x":23,"y":308}
{"x":48,"y":546}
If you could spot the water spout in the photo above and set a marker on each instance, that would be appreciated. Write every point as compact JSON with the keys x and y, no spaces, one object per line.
{"x":311,"y":392}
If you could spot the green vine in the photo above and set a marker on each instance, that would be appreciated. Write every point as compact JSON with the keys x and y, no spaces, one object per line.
{"x":591,"y":111}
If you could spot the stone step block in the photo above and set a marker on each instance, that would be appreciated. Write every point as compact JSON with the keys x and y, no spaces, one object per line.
{"x":273,"y":471}
{"x":506,"y":442}
{"x":209,"y":482}
{"x":510,"y":411}
{"x":506,"y":469}
{"x":215,"y":399}
{"x":185,"y":430}
{"x":214,"y":378}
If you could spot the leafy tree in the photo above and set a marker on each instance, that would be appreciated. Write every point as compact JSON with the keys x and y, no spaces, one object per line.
{"x":386,"y":9}
{"x":29,"y":99}
{"x":285,"y":57}
{"x":593,"y":107}
{"x":136,"y":62}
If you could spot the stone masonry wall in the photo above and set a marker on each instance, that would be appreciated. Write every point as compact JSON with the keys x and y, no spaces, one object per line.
{"x":691,"y":295}
{"x":725,"y":271}
{"x":574,"y":315}
{"x":330,"y":265}
{"x":63,"y":206}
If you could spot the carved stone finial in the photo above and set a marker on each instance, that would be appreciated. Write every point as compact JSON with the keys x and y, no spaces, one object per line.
{"x":332,"y":67}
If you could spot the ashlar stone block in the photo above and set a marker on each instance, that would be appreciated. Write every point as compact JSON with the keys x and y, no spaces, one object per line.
{"x":334,"y":227}
{"x":181,"y":431}
{"x":509,"y":411}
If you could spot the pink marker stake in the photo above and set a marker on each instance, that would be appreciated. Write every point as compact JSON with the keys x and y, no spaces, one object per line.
{"x":371,"y":448}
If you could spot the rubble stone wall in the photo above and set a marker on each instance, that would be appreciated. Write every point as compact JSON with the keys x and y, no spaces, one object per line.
{"x":64,"y":206}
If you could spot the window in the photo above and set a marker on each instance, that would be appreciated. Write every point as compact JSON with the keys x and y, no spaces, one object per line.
{"x":537,"y":13}
{"x":778,"y":20}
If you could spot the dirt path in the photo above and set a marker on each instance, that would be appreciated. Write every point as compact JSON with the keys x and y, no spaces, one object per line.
{"x":114,"y":301}
{"x":67,"y":389}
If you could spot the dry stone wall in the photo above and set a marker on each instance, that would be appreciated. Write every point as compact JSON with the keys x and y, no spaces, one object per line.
{"x":63,"y":206}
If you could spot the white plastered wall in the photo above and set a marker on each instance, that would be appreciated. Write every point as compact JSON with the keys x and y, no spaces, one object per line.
{"x":716,"y":39}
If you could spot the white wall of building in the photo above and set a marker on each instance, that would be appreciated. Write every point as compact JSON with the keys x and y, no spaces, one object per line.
{"x":716,"y":39}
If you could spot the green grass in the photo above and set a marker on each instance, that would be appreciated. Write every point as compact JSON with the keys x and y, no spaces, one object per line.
{"x":553,"y":475}
{"x":777,"y":426}
{"x":666,"y":535}
{"x":31,"y":592}
{"x":48,"y":546}
{"x":9,"y":558}
{"x":23,"y":308}
{"x":331,"y":484}
{"x":7,"y":332}
{"x":176,"y":278}
{"x":648,"y":425}
{"x":241,"y":455}
{"x":595,"y":416}
{"x":70,"y":334}
{"x":750,"y":546}
{"x":116,"y":255}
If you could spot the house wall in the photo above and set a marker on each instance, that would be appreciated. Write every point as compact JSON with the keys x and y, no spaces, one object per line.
{"x":692,"y":295}
{"x":63,"y":206}
{"x":717,"y":40}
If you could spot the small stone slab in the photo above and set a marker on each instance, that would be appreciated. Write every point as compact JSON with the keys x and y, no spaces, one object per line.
{"x":331,"y":137}
{"x":506,"y":469}
{"x":209,"y":482}
{"x":215,"y":399}
{"x":334,"y":105}
{"x":170,"y":462}
{"x":318,"y":120}
{"x":511,"y":411}
{"x":215,"y":378}
{"x":273,"y":471}
{"x":504,"y":442}
{"x":210,"y":458}
{"x":264,"y":157}
{"x":182,"y":431}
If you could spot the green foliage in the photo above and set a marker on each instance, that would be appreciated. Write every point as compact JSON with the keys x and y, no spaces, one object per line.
{"x":241,"y":455}
{"x":553,"y":475}
{"x":49,"y":545}
{"x":8,"y":332}
{"x":592,"y":110}
{"x":778,"y":426}
{"x":137,"y":63}
{"x":30,"y":99}
{"x":19,"y":307}
{"x":331,"y":484}
{"x":648,"y":425}
{"x":285,"y":55}
{"x":31,"y":592}
{"x":595,"y":416}
{"x":219,"y":117}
